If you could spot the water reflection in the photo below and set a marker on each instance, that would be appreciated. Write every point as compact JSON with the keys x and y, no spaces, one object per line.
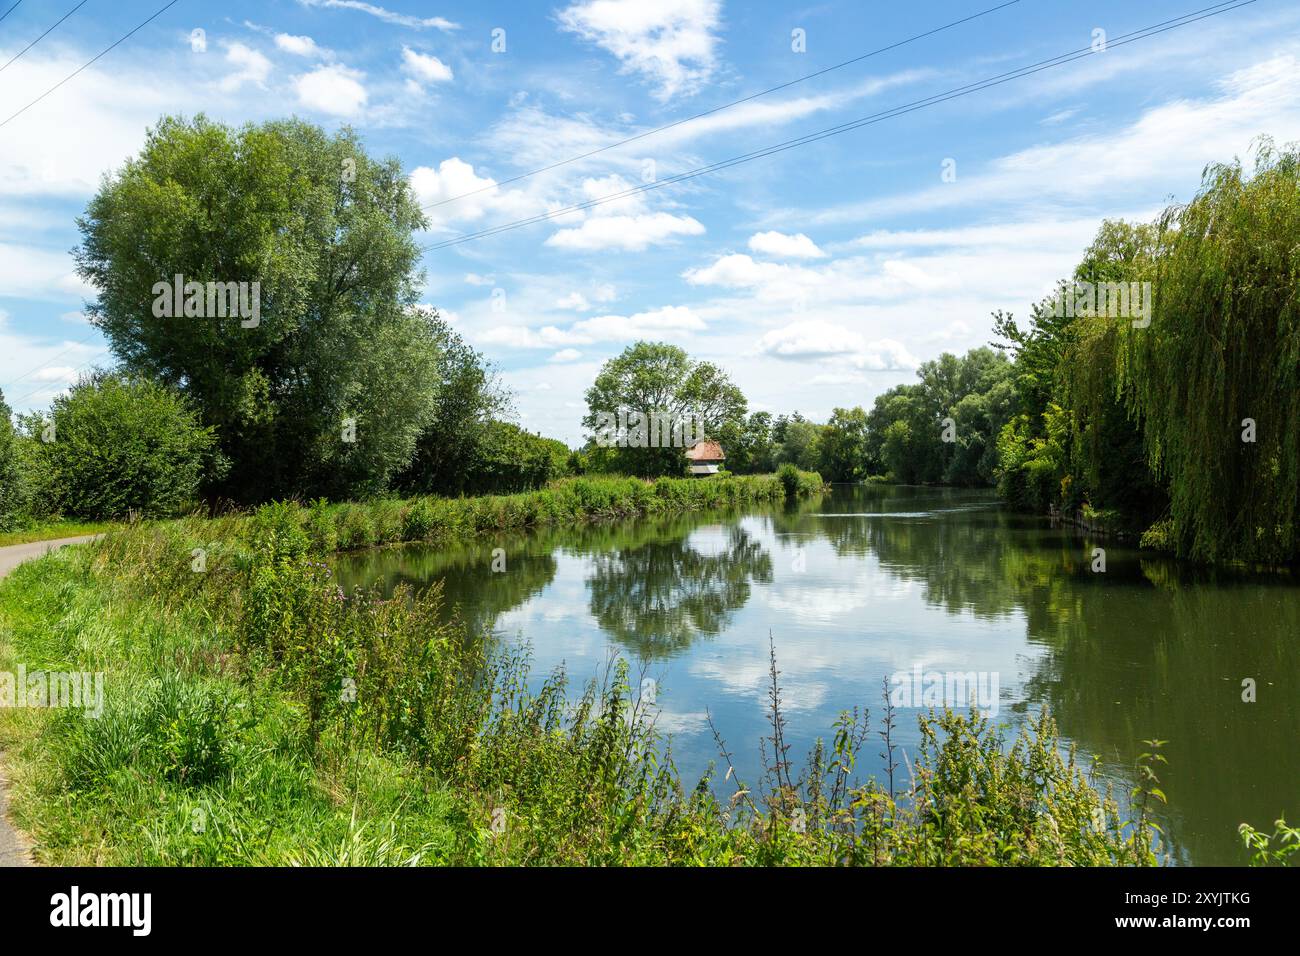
{"x":871,"y":580}
{"x":656,"y":597}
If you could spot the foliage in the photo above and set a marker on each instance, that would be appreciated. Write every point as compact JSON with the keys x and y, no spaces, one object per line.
{"x":799,"y":442}
{"x":1221,"y":356}
{"x":1031,"y":468}
{"x":1271,"y":849}
{"x":653,"y":378}
{"x":326,"y":232}
{"x":377,"y":733}
{"x":13,"y":491}
{"x":842,"y":451}
{"x":944,"y":428}
{"x":1182,"y":424}
{"x":456,"y":449}
{"x":749,"y":446}
{"x":113,"y":446}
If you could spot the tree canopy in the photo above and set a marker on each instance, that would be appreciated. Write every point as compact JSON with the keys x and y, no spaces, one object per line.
{"x":327,"y":389}
{"x":654,"y":378}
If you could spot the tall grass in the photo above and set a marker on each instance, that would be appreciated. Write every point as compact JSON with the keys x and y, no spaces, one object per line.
{"x":570,"y":500}
{"x":258,"y":714}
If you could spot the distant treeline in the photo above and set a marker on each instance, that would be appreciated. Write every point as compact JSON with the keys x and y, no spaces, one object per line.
{"x":1170,"y":411}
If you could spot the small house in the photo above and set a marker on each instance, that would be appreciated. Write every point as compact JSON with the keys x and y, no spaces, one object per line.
{"x":704,"y":458}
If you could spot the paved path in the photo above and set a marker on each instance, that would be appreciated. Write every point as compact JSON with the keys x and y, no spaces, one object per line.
{"x":14,"y":848}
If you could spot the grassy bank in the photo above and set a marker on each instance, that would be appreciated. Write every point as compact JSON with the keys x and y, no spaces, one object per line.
{"x":335,"y":527}
{"x":50,"y":530}
{"x":256,"y":714}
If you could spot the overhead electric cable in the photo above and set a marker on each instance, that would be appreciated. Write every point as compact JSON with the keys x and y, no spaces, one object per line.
{"x":719,"y":109}
{"x":43,"y":35}
{"x":101,"y":53}
{"x":1061,"y":60}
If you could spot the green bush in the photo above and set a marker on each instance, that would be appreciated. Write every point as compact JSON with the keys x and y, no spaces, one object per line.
{"x":355,"y":529}
{"x":13,"y":503}
{"x":113,"y":446}
{"x":418,"y":520}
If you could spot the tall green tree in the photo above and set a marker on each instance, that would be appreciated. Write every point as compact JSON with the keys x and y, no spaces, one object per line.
{"x":654,"y":378}
{"x":749,"y":446}
{"x":455,"y":444}
{"x":326,"y":388}
{"x":842,"y":453}
{"x":1215,"y":376}
{"x":801,"y":443}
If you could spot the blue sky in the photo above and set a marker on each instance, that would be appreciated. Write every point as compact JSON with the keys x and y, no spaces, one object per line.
{"x":818,"y":277}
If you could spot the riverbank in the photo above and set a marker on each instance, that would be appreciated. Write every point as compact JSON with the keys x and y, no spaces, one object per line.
{"x":256,"y":714}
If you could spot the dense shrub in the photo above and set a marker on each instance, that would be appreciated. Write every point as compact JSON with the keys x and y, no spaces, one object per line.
{"x":114,"y":445}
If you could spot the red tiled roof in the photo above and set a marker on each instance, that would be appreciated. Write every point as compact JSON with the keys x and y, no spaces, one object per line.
{"x":705,"y":451}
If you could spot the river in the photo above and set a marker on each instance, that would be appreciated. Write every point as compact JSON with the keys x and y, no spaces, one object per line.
{"x":868,"y":582}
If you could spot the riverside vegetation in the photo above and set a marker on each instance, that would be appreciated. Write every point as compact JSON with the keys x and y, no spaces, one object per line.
{"x":258,"y":714}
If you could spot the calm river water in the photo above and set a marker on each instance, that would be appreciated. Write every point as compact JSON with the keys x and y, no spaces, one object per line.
{"x":868,"y":582}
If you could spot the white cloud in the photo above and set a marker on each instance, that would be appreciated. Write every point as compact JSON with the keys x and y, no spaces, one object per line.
{"x":473,"y":278}
{"x":782,"y":246}
{"x":624,"y":223}
{"x":250,"y":67}
{"x":1169,"y":143}
{"x":28,"y":271}
{"x":671,"y":43}
{"x":298,"y":46}
{"x":1060,"y":116}
{"x":628,"y":233}
{"x":388,"y":16}
{"x":815,"y":340}
{"x":574,"y":300}
{"x":474,"y":195}
{"x":668,"y":321}
{"x":425,"y":66}
{"x":566,"y":355}
{"x":332,"y":89}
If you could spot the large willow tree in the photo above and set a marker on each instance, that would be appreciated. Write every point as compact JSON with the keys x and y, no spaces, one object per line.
{"x":326,"y":389}
{"x":1215,"y":377}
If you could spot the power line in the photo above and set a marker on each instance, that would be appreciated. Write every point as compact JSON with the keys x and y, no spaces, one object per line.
{"x":13,"y":402}
{"x":106,"y":49}
{"x":978,"y":86}
{"x":43,"y":35}
{"x":50,"y":361}
{"x":719,"y":109}
{"x":846,"y":127}
{"x":10,"y":10}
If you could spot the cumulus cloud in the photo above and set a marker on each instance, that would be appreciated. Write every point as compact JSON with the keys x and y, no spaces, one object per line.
{"x":782,"y":246}
{"x":574,"y":300}
{"x":425,"y":67}
{"x":250,"y":67}
{"x":669,"y":321}
{"x":298,"y":46}
{"x":820,"y":341}
{"x":625,"y":223}
{"x":628,"y":233}
{"x":333,"y":89}
{"x":474,"y":195}
{"x":670,"y":43}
